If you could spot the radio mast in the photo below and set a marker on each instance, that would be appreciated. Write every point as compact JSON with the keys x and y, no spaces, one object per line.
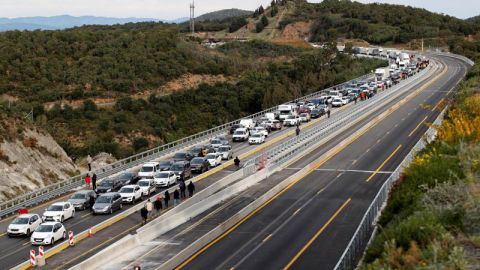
{"x":192,"y":17}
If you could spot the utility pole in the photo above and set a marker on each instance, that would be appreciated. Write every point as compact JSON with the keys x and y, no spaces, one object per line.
{"x":422,"y":44}
{"x":192,"y":17}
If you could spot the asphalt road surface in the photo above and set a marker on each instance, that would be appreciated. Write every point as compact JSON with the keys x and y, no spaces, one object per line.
{"x":309,"y":225}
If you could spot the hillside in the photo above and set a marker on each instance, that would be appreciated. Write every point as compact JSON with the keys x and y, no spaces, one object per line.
{"x":223,"y":14}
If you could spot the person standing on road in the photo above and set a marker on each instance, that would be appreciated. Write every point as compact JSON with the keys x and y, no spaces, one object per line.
{"x":237,"y":162}
{"x":88,"y":180}
{"x":149,"y":206}
{"x":158,"y":204}
{"x":328,"y":113}
{"x":91,"y":202}
{"x":297,"y":131}
{"x":176,"y":197}
{"x":89,"y":162}
{"x":182,"y":189}
{"x":166,"y":197}
{"x":144,"y":214}
{"x":94,"y":181}
{"x":191,"y":189}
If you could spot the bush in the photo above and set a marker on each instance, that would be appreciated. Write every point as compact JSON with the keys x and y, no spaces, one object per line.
{"x":140,"y":143}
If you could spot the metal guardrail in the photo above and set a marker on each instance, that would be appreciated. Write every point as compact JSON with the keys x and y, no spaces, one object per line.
{"x":283,"y":152}
{"x":363,"y":233}
{"x":60,"y":188}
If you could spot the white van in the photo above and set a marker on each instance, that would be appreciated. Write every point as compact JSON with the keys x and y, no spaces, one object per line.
{"x":149,"y":170}
{"x":248,"y":123}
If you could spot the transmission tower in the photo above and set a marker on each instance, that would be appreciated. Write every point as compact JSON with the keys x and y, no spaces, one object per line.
{"x":192,"y":17}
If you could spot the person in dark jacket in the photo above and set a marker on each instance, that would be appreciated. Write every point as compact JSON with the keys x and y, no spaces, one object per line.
{"x":237,"y":162}
{"x":191,"y":189}
{"x":94,"y":181}
{"x":144,"y":214}
{"x":182,"y":189}
{"x":166,"y":197}
{"x":158,"y":204}
{"x":297,"y":131}
{"x":328,"y":114}
{"x":176,"y":197}
{"x":91,"y":202}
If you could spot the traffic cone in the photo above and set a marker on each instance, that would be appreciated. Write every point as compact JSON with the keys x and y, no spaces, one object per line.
{"x":90,"y":233}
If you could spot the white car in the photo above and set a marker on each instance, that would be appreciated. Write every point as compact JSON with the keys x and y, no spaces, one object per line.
{"x":130,"y":193}
{"x":305,"y":117}
{"x":291,"y":120}
{"x":225,"y":151}
{"x":311,"y":106}
{"x":165,"y":179}
{"x":59,"y":212}
{"x":260,"y":130}
{"x":24,"y":225}
{"x":214,"y":159}
{"x":149,"y":169}
{"x":240,"y":135}
{"x":47,"y":233}
{"x":256,"y":138}
{"x":147,"y":186}
{"x":337,"y":102}
{"x":345,"y":100}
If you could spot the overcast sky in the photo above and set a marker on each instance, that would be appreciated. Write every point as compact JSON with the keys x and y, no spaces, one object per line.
{"x":172,"y":9}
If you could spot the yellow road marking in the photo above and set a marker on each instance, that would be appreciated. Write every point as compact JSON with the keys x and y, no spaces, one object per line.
{"x":419,"y":124}
{"x":3,"y":234}
{"x":438,"y":104}
{"x":317,"y":234}
{"x":384,"y":162}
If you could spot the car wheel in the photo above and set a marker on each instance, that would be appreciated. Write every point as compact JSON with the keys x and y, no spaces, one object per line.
{"x":64,"y":236}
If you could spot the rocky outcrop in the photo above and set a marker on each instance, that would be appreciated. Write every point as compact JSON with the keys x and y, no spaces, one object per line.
{"x":30,"y":161}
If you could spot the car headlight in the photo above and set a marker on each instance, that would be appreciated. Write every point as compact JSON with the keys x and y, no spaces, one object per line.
{"x":106,"y":208}
{"x":108,"y":190}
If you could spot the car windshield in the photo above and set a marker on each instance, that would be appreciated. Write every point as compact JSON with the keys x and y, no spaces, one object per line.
{"x":147,"y":169}
{"x":337,"y":100}
{"x":180,"y":155}
{"x":211,"y":156}
{"x":55,"y":208}
{"x":20,"y":221}
{"x":126,"y":190}
{"x":303,"y":114}
{"x":78,"y":196}
{"x":162,"y":175}
{"x":197,"y":161}
{"x":216,"y":142}
{"x":106,"y":183}
{"x":104,"y":199}
{"x":239,"y":132}
{"x":315,"y":111}
{"x":257,"y":135}
{"x":291,"y":117}
{"x":125,"y":176}
{"x":224,"y":149}
{"x":144,"y":183}
{"x":165,"y":163}
{"x":177,"y":167}
{"x":44,"y":228}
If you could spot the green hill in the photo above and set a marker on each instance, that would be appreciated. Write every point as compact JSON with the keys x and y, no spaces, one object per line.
{"x":223,"y":14}
{"x":375,"y":23}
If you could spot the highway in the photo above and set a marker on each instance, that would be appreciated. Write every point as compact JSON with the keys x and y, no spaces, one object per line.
{"x":16,"y":250}
{"x":309,"y":224}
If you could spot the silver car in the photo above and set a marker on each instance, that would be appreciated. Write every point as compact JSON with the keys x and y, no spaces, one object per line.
{"x":225,"y":151}
{"x":107,"y":203}
{"x":81,"y":199}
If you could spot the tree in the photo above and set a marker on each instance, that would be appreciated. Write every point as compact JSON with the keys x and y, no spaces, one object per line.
{"x":259,"y":27}
{"x":274,"y":11}
{"x":261,"y":10}
{"x":140,"y":143}
{"x":264,"y":20}
{"x":236,"y":24}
